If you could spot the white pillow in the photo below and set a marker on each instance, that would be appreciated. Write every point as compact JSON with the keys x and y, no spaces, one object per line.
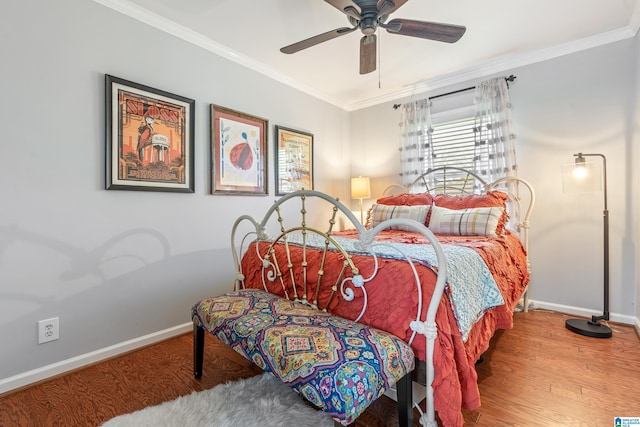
{"x":379,"y":213}
{"x":465,"y":222}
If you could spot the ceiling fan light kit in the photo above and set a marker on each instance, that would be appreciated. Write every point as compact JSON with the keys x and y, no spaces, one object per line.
{"x":367,"y":16}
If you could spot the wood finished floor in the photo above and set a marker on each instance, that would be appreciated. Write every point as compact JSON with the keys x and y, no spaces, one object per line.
{"x":537,"y":374}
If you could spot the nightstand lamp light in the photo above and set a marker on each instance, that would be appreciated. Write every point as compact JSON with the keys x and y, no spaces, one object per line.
{"x":583,"y":176}
{"x":360,"y":189}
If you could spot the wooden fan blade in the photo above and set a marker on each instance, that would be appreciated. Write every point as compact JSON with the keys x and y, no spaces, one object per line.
{"x":347,"y":7}
{"x":312,"y":41}
{"x":386,"y":7}
{"x":427,"y":30}
{"x":368,"y":54}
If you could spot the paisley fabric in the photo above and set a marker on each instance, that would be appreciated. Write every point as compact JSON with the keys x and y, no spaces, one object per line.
{"x":338,"y":365}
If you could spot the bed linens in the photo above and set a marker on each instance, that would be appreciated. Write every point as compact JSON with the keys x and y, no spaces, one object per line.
{"x":470,"y":286}
{"x":455,"y":382}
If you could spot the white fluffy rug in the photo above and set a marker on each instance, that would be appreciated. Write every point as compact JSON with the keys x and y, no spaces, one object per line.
{"x":260,"y":401}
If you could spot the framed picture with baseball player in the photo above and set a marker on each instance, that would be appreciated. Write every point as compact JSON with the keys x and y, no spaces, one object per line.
{"x":238,"y":152}
{"x":149,"y":138}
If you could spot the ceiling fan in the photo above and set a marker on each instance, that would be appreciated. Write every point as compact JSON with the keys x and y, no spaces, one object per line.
{"x":368,"y":15}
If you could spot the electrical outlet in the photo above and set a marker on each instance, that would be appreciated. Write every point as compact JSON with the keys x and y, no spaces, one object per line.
{"x":48,"y":330}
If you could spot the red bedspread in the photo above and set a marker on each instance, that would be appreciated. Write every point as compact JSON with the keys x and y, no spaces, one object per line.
{"x":392,"y":304}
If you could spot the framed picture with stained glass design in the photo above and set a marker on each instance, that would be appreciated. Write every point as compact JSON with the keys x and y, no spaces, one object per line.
{"x":294,"y":160}
{"x":238,"y":152}
{"x":149,"y":138}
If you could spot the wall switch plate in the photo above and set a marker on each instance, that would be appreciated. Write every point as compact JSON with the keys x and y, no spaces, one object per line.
{"x":48,"y":330}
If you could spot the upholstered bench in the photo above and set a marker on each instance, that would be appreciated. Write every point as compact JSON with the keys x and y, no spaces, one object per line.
{"x":338,"y":365}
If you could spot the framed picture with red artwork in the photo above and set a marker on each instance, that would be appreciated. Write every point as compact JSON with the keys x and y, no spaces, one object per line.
{"x":238,"y":152}
{"x":149,"y":138}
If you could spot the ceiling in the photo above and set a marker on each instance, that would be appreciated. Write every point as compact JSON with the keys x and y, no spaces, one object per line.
{"x":500,"y":35}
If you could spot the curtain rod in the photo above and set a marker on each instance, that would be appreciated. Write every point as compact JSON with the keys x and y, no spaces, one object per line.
{"x":511,"y":78}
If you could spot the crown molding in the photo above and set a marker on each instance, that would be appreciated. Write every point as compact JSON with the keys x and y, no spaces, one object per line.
{"x":161,"y":23}
{"x":480,"y":70}
{"x":499,"y":65}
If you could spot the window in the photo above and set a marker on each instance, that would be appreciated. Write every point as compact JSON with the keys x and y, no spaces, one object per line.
{"x":453,"y":143}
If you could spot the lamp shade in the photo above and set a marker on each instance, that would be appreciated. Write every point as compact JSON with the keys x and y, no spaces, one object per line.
{"x":360,"y":188}
{"x":581,"y":177}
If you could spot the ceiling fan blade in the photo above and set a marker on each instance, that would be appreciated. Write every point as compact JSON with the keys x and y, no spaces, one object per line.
{"x":368,"y":54}
{"x":385,"y":7}
{"x":347,"y":7}
{"x":312,"y":41}
{"x":427,"y":30}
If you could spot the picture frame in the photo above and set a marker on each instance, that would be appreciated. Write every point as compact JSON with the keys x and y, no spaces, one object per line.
{"x":149,"y":138}
{"x":294,"y":160}
{"x":238,"y":152}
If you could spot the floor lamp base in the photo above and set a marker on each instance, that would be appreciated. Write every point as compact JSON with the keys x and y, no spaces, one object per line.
{"x":588,"y":328}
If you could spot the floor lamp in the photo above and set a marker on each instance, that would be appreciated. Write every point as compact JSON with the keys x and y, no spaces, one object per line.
{"x":584,"y":172}
{"x":360,"y":189}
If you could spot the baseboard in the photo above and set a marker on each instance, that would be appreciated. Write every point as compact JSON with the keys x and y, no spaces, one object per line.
{"x":637,"y":327}
{"x":584,"y":312}
{"x":37,"y":375}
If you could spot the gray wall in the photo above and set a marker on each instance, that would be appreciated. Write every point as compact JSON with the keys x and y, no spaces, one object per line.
{"x":584,"y":102}
{"x":117,"y":265}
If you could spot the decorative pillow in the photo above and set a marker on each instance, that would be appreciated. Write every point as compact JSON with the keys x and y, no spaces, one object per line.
{"x":466,"y":222}
{"x":379,"y":213}
{"x":407,"y":199}
{"x":463,"y":201}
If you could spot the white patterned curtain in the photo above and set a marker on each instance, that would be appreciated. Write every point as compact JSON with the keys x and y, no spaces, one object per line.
{"x":495,"y":154}
{"x":416,"y":152}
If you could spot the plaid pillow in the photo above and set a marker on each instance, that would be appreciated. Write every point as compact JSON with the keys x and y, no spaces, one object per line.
{"x":379,"y":213}
{"x":465,"y":201}
{"x":466,"y":222}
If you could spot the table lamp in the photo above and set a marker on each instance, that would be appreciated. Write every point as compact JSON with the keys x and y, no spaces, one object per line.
{"x":360,"y":189}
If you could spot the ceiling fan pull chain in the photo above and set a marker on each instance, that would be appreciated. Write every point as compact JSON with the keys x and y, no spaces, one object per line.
{"x":379,"y":60}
